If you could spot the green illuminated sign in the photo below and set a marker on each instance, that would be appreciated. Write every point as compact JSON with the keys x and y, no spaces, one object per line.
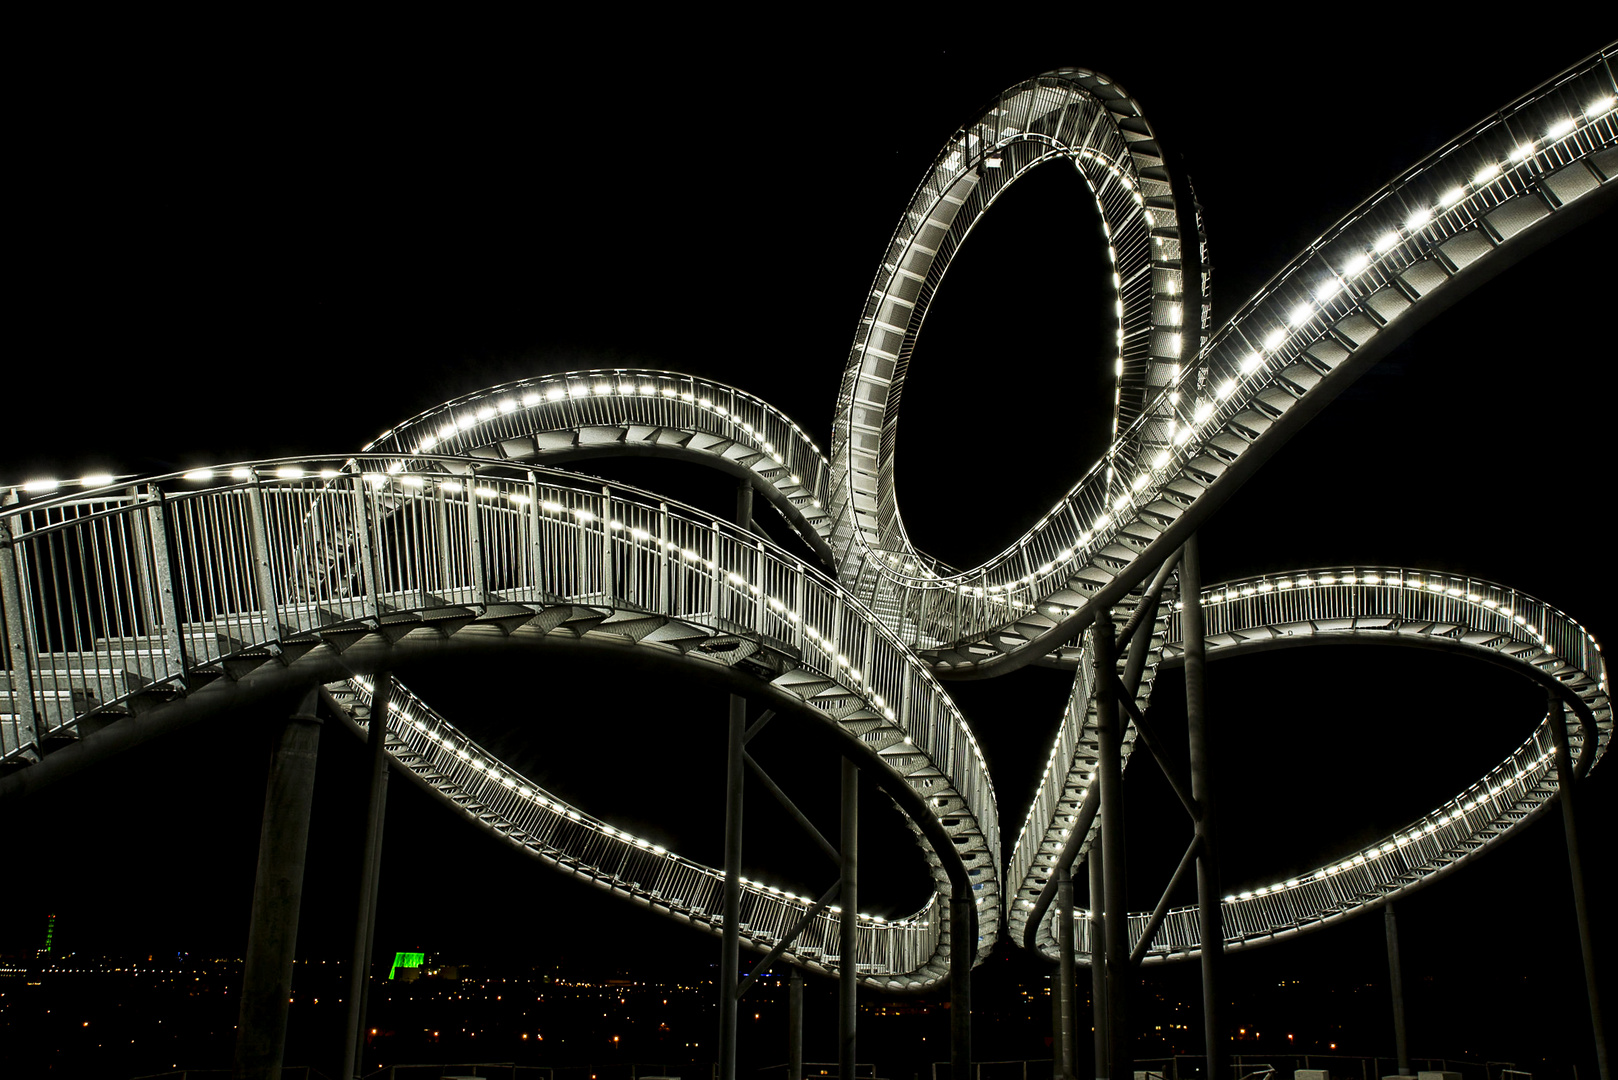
{"x":405,"y":960}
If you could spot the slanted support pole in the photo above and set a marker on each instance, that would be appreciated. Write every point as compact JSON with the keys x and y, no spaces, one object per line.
{"x":359,"y":974}
{"x":1100,"y":1014}
{"x":272,"y":937}
{"x":1210,"y":921}
{"x":1064,"y":1033}
{"x":795,"y":1026}
{"x":1396,"y":981}
{"x":1567,"y":783}
{"x":1110,"y":774}
{"x":963,"y":951}
{"x":730,"y":941}
{"x":847,"y":962}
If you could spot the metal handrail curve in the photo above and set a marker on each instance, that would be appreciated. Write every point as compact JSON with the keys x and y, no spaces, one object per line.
{"x":1389,"y":605}
{"x":1413,"y":248}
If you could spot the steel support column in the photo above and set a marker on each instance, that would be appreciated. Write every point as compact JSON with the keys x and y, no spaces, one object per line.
{"x":730,"y":940}
{"x":359,"y":974}
{"x":1567,"y":784}
{"x":847,"y":962}
{"x":272,"y":936}
{"x":1100,"y":1014}
{"x":744,"y":506}
{"x":963,"y":950}
{"x":25,"y":713}
{"x":1396,"y":981}
{"x":1064,"y":1057}
{"x":1210,"y":921}
{"x":1110,"y":775}
{"x":795,"y":1026}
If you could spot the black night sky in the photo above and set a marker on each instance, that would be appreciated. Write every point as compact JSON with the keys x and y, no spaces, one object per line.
{"x":284,"y":241}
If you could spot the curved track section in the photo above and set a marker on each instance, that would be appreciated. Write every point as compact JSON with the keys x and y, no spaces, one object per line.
{"x":478,"y":786}
{"x":1512,"y":182}
{"x":1353,"y":605}
{"x":274,"y":559}
{"x":576,"y":415}
{"x":1070,"y":115}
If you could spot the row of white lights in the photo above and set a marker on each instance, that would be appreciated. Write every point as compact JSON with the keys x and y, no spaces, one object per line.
{"x":1273,"y":344}
{"x":1493,"y":786}
{"x":1126,"y":180}
{"x":813,"y":633}
{"x":626,"y":387}
{"x":1222,"y":594}
{"x":467,"y":752}
{"x":1505,"y":605}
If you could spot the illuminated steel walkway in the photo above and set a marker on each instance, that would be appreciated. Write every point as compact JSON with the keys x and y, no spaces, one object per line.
{"x":133,"y":608}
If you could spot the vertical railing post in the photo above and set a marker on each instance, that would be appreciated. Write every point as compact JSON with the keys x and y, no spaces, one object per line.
{"x":371,"y":605}
{"x":1210,"y":921}
{"x":163,"y":564}
{"x":1567,"y":788}
{"x":22,"y":658}
{"x":264,"y":575}
{"x":849,"y":897}
{"x":607,"y":578}
{"x":474,"y":543}
{"x":536,"y":552}
{"x":716,"y":575}
{"x":665,"y":582}
{"x":445,"y":564}
{"x":1109,"y":774}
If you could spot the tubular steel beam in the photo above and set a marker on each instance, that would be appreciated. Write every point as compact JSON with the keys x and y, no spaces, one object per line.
{"x":963,"y":950}
{"x":1161,"y":912}
{"x":1396,"y":982}
{"x":1567,"y":784}
{"x":791,"y":808}
{"x":730,"y":939}
{"x":744,"y":505}
{"x":1064,"y":1033}
{"x":1138,"y":630}
{"x":272,"y":937}
{"x":785,"y":943}
{"x":1133,"y":668}
{"x":1110,"y":774}
{"x":1148,"y":734}
{"x":1100,"y":1011}
{"x":848,"y":961}
{"x":359,"y":972}
{"x":758,"y":725}
{"x":1210,"y":923}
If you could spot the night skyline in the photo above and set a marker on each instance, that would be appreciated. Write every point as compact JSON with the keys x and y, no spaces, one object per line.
{"x":344,"y":256}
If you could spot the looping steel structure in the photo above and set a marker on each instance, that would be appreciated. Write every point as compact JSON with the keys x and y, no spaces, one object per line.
{"x":132,"y":608}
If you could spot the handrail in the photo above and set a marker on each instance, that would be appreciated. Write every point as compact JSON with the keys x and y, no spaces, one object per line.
{"x":1393,"y":605}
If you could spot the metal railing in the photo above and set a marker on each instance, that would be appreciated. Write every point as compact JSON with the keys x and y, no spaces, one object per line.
{"x":1399,"y":605}
{"x":1507,"y":174}
{"x":122,"y":595}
